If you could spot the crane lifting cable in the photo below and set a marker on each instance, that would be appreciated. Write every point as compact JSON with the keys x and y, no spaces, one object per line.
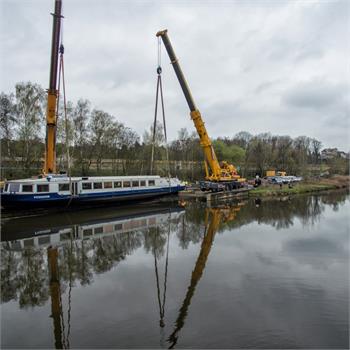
{"x":159,"y":90}
{"x":66,"y":126}
{"x":61,"y":75}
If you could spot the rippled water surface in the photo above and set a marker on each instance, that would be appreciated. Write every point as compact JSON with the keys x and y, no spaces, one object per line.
{"x":273,"y":274}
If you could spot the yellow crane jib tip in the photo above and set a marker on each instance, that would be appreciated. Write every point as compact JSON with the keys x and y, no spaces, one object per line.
{"x":162,"y":32}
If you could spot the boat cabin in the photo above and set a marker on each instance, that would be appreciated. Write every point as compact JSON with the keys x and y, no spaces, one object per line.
{"x":81,"y":184}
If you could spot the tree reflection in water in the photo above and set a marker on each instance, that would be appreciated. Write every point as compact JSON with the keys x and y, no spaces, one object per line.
{"x":33,"y":276}
{"x":24,"y":274}
{"x":92,"y":249}
{"x":24,"y":277}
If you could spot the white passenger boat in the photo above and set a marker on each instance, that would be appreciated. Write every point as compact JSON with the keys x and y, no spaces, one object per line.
{"x":61,"y":190}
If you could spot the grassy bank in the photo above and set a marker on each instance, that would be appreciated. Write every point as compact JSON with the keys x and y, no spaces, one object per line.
{"x":333,"y":183}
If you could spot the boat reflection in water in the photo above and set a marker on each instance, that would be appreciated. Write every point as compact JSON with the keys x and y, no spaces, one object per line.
{"x":54,"y":233}
{"x":111,"y":236}
{"x":150,"y":271}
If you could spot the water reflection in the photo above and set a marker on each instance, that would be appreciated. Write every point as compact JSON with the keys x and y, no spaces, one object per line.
{"x":214,"y":217}
{"x":282,"y":213}
{"x":76,"y":253}
{"x":47,"y":260}
{"x":84,"y":249}
{"x":55,"y":293}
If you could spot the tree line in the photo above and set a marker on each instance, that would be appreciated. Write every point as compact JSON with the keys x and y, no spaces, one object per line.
{"x":97,"y":143}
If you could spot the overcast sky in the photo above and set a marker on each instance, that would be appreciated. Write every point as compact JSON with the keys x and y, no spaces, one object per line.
{"x":259,"y":66}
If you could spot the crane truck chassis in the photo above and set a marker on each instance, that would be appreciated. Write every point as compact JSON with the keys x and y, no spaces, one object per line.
{"x":214,"y":186}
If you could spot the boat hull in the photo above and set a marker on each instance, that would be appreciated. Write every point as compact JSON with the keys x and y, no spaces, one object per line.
{"x":28,"y":201}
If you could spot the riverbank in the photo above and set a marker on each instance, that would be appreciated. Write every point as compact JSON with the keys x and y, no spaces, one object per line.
{"x":310,"y":186}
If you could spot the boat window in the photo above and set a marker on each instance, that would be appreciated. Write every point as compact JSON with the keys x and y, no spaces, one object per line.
{"x":44,"y":240}
{"x":28,"y":242}
{"x":27,"y":188}
{"x":151,"y":183}
{"x":87,"y":185}
{"x":135,"y":184}
{"x":15,"y":187}
{"x":97,"y":185}
{"x":6,"y":187}
{"x":42,"y":188}
{"x":87,"y":232}
{"x":126,"y":184}
{"x":117,"y":184}
{"x":65,"y":236}
{"x":107,"y":184}
{"x":118,"y":227}
{"x":98,"y":230}
{"x":142,"y":183}
{"x":63,"y":187}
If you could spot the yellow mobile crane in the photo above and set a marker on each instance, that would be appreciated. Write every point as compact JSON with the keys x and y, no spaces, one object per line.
{"x":219,"y":176}
{"x":52,"y":94}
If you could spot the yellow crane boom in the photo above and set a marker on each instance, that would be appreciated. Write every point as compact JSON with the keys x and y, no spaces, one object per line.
{"x":218,"y":172}
{"x":52,"y":94}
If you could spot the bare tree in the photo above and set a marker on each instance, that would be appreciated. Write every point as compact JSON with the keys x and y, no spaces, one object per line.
{"x":242,"y":139}
{"x":316,"y":150}
{"x":258,"y":153}
{"x":101,"y":130}
{"x":65,"y":134}
{"x":7,"y":120}
{"x":29,"y":111}
{"x":81,"y":115}
{"x":301,"y":152}
{"x":159,"y":135}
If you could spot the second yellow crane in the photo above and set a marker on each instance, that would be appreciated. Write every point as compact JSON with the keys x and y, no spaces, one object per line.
{"x":219,"y":176}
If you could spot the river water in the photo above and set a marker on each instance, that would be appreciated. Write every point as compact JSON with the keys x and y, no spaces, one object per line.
{"x":243,"y":274}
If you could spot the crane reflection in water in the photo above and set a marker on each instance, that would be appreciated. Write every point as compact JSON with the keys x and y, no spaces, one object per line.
{"x":60,"y":334}
{"x":43,"y":266}
{"x":214,"y":218}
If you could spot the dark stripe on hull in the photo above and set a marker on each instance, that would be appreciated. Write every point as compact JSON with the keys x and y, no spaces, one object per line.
{"x":55,"y":200}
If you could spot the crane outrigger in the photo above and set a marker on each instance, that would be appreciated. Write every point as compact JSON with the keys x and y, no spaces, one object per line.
{"x":217,"y":174}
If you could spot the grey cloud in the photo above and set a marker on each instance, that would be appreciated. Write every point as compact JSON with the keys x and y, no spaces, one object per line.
{"x":279,"y":49}
{"x":266,"y":85}
{"x":318,"y":252}
{"x":314,"y":94}
{"x":328,"y":15}
{"x":309,"y":53}
{"x":314,"y":246}
{"x":241,"y":59}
